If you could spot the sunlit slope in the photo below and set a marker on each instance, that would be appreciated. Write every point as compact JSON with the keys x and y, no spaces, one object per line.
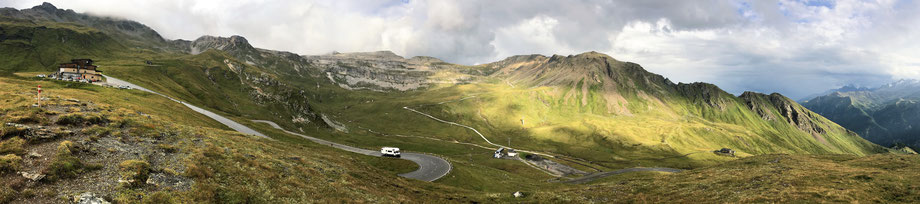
{"x":593,"y":106}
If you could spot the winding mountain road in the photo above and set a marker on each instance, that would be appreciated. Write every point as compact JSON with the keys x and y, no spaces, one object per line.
{"x":431,"y":168}
{"x":223,"y":120}
{"x":580,"y":180}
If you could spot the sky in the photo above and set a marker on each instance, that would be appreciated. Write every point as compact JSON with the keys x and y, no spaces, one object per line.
{"x":793,"y":47}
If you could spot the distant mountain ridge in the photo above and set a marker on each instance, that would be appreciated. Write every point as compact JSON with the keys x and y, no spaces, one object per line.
{"x":846,"y":88}
{"x":887,"y":115}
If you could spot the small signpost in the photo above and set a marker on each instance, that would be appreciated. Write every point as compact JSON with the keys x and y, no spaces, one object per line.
{"x":39,"y":96}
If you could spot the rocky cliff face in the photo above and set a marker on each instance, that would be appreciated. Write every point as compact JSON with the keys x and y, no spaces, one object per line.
{"x":235,"y":45}
{"x":386,"y":71}
{"x":278,"y":63}
{"x":267,"y":90}
{"x":788,"y":110}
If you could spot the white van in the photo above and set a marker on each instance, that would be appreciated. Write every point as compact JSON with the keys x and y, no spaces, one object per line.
{"x":390,"y":151}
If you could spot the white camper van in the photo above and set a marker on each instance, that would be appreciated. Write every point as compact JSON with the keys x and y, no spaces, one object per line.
{"x":390,"y":151}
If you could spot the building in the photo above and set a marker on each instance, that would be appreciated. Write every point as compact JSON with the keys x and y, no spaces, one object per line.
{"x":79,"y":69}
{"x":725,"y":151}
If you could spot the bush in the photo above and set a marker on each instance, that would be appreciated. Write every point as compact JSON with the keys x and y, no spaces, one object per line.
{"x":28,"y":119}
{"x":12,"y":146}
{"x":80,"y":119}
{"x":65,"y":148}
{"x":70,"y":119}
{"x":96,"y":120}
{"x":9,"y":131}
{"x":168,"y":148}
{"x":95,"y":132}
{"x":158,"y":197}
{"x":65,"y":165}
{"x":10,"y":162}
{"x":7,"y":194}
{"x":32,"y":116}
{"x":135,"y":172}
{"x":199,"y":172}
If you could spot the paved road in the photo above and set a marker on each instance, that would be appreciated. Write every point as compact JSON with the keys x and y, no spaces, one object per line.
{"x":474,"y":130}
{"x":431,"y":168}
{"x":595,"y":176}
{"x":223,"y":120}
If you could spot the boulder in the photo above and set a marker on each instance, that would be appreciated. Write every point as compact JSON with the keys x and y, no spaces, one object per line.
{"x":89,"y":198}
{"x":31,"y":176}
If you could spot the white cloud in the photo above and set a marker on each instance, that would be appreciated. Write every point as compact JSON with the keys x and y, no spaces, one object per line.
{"x":535,"y":35}
{"x":788,"y":46}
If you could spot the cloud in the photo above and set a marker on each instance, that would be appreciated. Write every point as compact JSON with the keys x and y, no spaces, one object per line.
{"x":788,"y":46}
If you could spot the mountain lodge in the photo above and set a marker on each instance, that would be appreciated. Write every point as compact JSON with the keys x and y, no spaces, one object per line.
{"x":79,"y":69}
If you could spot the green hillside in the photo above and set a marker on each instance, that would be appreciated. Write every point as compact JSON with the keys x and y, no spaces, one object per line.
{"x":588,"y":112}
{"x":589,"y":106}
{"x":31,"y":46}
{"x":574,"y":106}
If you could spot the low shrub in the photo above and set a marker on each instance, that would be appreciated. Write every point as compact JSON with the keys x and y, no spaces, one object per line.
{"x":65,"y":165}
{"x":12,"y":146}
{"x":10,"y":131}
{"x":10,"y":162}
{"x":168,"y":148}
{"x":96,"y":131}
{"x":30,"y":117}
{"x":158,"y":197}
{"x":7,"y":194}
{"x":135,"y":172}
{"x":80,"y":119}
{"x":70,"y":119}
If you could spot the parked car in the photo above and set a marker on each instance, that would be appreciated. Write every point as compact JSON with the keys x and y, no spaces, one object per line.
{"x":390,"y":151}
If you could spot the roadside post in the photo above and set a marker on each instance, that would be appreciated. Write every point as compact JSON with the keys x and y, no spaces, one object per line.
{"x":39,"y":96}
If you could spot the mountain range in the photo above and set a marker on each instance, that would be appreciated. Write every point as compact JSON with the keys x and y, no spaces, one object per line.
{"x":577,"y":115}
{"x":885,"y":115}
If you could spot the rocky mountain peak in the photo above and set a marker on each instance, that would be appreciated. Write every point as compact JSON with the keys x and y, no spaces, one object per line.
{"x":232,"y":44}
{"x":851,"y":87}
{"x":46,"y":7}
{"x":236,"y":39}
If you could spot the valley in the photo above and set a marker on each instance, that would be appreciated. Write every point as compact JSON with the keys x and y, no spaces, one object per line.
{"x":222,"y":121}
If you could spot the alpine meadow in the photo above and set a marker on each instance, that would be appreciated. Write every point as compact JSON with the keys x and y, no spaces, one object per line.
{"x":99,"y":107}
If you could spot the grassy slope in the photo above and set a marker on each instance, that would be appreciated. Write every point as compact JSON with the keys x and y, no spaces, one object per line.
{"x":186,"y":77}
{"x":29,"y":46}
{"x":675,"y":134}
{"x":565,"y":126}
{"x":771,"y":178}
{"x":229,"y":167}
{"x":226,"y":166}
